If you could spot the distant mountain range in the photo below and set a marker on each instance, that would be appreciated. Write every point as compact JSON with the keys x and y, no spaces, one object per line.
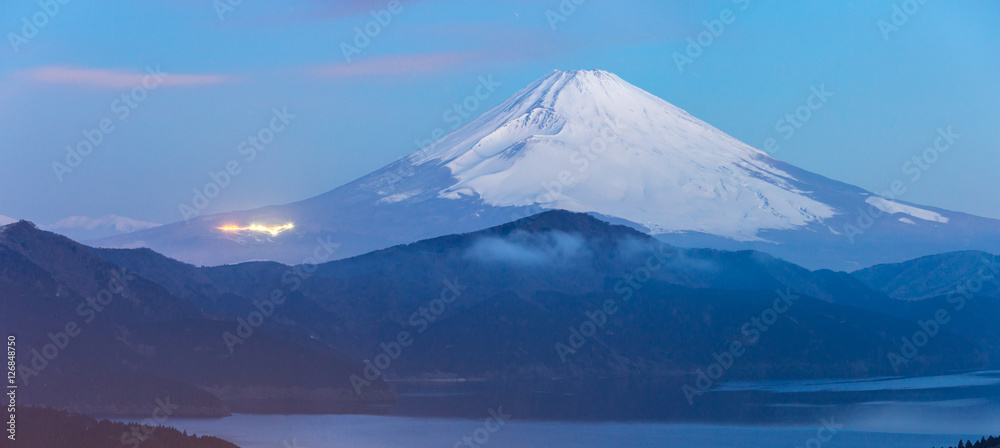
{"x":85,"y":228}
{"x":971,"y":272}
{"x":587,"y":141}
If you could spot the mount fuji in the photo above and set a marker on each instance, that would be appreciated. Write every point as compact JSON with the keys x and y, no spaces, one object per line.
{"x":585,"y":141}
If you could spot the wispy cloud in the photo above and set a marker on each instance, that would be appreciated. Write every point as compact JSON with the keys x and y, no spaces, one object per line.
{"x":545,"y":249}
{"x":325,"y":10}
{"x":114,"y":79}
{"x":403,"y":64}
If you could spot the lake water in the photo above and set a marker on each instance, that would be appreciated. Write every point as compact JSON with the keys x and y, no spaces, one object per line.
{"x":329,"y":431}
{"x":883,"y":412}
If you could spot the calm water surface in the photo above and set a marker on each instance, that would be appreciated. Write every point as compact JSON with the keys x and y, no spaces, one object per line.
{"x":884,"y":412}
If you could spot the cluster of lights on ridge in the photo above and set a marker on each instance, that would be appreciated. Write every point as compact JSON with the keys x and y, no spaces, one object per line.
{"x":274,"y":231}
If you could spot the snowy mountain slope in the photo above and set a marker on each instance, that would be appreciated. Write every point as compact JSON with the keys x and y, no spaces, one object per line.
{"x":653,"y":163}
{"x":587,"y":141}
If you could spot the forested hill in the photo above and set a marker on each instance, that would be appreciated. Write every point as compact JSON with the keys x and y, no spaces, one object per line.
{"x":50,"y":428}
{"x":991,"y":442}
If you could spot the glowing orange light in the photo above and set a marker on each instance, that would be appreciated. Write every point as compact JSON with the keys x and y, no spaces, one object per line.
{"x":274,"y":231}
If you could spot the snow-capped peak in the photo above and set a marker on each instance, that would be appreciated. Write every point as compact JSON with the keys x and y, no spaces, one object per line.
{"x":115,"y":222}
{"x":588,"y":141}
{"x":83,"y":228}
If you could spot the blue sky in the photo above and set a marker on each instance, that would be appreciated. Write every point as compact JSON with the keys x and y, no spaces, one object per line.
{"x":892,"y":90}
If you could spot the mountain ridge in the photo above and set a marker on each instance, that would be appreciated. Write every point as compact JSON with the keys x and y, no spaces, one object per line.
{"x":532,"y":278}
{"x":101,"y":338}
